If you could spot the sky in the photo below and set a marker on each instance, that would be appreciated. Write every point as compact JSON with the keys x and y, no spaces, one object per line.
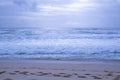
{"x":60,"y":14}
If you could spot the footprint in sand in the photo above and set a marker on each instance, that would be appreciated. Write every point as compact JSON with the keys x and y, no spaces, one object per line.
{"x":8,"y":79}
{"x":87,"y":74}
{"x":24,"y":73}
{"x":16,"y":71}
{"x":12,"y":73}
{"x":42,"y":74}
{"x":62,"y":75}
{"x":56,"y":75}
{"x":75,"y":74}
{"x":109,"y":74}
{"x":32,"y":73}
{"x":82,"y":77}
{"x":117,"y":78}
{"x":2,"y":72}
{"x":95,"y":77}
{"x":67,"y":76}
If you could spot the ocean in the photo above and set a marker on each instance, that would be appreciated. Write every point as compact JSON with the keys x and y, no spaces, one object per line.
{"x":71,"y":43}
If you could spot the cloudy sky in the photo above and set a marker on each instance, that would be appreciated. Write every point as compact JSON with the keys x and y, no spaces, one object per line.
{"x":60,"y":13}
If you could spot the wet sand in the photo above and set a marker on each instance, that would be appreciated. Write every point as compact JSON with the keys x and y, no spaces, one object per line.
{"x":58,"y":70}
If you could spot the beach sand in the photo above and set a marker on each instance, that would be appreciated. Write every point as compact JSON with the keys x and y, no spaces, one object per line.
{"x":58,"y":70}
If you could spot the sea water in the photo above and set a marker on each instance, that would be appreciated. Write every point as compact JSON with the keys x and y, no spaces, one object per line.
{"x":60,"y":43}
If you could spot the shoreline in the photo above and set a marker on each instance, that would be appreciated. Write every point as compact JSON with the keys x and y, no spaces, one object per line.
{"x":30,"y":69}
{"x":63,"y":59}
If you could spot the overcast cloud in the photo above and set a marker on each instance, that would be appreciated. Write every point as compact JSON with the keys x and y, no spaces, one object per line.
{"x":60,"y":13}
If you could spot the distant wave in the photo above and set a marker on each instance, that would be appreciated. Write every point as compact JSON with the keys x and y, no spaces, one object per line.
{"x":21,"y":34}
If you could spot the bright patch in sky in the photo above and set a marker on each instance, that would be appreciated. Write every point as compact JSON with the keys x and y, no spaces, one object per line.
{"x":75,"y":6}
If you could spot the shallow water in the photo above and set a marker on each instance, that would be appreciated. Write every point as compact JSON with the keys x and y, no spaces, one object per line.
{"x":60,"y":43}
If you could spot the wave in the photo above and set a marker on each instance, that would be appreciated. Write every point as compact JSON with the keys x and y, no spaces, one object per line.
{"x":21,"y":34}
{"x":60,"y":43}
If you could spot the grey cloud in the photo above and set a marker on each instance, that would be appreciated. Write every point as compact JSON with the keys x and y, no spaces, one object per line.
{"x":94,"y":13}
{"x":28,"y":5}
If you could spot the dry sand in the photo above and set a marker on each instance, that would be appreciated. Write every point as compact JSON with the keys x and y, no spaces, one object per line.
{"x":58,"y":70}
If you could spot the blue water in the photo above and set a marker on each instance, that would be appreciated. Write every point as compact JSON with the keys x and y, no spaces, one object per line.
{"x":60,"y":43}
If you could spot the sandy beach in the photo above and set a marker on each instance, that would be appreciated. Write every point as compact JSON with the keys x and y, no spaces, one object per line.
{"x":58,"y":70}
